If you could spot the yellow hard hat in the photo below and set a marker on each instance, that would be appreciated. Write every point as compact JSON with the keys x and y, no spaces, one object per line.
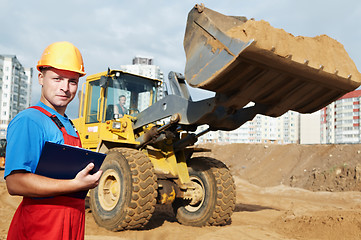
{"x":64,"y":56}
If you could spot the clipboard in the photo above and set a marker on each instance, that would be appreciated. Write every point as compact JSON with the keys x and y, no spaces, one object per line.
{"x":61,"y":161}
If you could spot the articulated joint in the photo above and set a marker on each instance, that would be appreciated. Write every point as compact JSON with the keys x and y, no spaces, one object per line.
{"x":153,"y":134}
{"x":189,"y":140}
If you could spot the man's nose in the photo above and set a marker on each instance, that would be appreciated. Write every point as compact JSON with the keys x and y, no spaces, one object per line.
{"x":64,"y":85}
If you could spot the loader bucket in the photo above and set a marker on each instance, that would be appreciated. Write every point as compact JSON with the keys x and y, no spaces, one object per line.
{"x":272,"y":73}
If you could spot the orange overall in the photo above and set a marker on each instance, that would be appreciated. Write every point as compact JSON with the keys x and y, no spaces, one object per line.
{"x":54,"y":218}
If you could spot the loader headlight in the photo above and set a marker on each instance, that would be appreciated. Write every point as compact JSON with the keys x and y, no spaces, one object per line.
{"x":116,"y":125}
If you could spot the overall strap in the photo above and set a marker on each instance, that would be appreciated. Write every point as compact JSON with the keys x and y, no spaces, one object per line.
{"x":53,"y":117}
{"x":68,"y":139}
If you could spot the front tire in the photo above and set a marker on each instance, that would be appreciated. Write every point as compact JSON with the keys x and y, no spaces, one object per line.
{"x":214,"y":179}
{"x":126,"y":195}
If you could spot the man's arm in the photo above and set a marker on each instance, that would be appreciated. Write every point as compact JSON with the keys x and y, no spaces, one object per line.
{"x":32,"y":185}
{"x":116,"y":109}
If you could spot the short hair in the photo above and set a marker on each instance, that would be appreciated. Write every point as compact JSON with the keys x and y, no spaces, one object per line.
{"x":43,"y":69}
{"x":122,"y":96}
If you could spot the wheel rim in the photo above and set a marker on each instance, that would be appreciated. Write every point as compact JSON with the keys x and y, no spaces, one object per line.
{"x":109,"y":189}
{"x":200,"y":191}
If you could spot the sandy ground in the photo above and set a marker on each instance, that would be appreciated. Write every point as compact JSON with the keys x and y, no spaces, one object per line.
{"x":268,"y":207}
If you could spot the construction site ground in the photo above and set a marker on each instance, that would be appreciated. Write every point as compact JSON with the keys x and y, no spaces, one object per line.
{"x":283,"y":192}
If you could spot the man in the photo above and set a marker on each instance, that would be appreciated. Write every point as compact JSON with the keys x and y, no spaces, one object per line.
{"x":46,"y":212}
{"x":120,"y":108}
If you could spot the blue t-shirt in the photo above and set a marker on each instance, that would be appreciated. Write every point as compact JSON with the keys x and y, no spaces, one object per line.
{"x":27,"y":134}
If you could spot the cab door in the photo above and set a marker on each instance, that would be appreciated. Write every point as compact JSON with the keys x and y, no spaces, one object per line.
{"x":92,"y":115}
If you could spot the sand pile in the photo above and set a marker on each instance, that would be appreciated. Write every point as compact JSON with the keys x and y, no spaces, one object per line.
{"x":332,"y":168}
{"x":318,"y":52}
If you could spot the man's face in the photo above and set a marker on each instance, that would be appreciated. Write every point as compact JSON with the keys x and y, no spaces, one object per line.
{"x":122,"y":101}
{"x":59,"y":87}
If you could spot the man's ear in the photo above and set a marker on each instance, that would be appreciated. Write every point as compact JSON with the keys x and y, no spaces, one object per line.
{"x":41,"y":78}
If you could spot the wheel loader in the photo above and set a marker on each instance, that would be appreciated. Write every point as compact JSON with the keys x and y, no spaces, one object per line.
{"x":149,"y":149}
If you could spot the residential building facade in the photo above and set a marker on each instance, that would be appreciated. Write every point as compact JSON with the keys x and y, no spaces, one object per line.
{"x":340,"y":121}
{"x":143,"y":66}
{"x":262,"y":129}
{"x":310,"y":128}
{"x":15,"y":90}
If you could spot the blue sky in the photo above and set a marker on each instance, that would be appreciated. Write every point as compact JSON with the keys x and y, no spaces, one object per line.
{"x":110,"y":33}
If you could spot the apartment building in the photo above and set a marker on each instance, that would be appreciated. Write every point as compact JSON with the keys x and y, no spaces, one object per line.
{"x":262,"y":129}
{"x":15,"y":90}
{"x":310,"y":128}
{"x":340,"y":121}
{"x":145,"y":67}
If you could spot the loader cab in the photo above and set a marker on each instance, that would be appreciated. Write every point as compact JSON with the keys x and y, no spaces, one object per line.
{"x":98,"y":117}
{"x":117,"y":94}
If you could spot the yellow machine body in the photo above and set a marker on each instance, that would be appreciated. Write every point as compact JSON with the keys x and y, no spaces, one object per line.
{"x":100,"y":131}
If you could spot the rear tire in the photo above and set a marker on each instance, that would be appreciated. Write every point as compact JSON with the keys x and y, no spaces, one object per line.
{"x":219,"y":194}
{"x":126,"y":195}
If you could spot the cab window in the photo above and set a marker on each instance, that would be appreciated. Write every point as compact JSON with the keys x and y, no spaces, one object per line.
{"x":91,"y":115}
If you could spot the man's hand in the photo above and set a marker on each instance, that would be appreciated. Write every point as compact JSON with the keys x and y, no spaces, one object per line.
{"x":84,"y":180}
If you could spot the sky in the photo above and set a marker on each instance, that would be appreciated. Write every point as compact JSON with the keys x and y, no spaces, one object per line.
{"x":111,"y":33}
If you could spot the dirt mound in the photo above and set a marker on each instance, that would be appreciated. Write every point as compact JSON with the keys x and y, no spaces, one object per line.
{"x":312,"y":167}
{"x":315,"y":50}
{"x":342,"y":178}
